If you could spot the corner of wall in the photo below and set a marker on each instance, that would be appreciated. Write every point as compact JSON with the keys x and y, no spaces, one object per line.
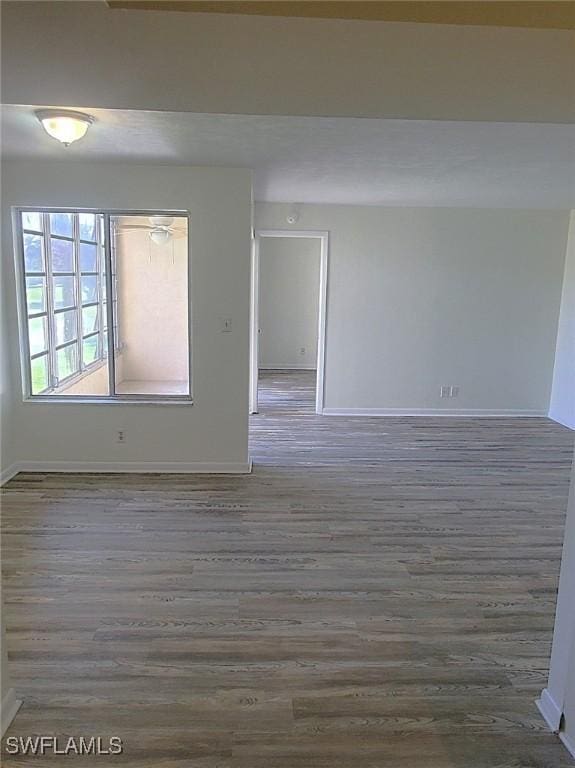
{"x":562,"y":401}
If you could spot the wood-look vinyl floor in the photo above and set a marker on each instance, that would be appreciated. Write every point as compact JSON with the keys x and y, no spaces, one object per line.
{"x":378,"y":594}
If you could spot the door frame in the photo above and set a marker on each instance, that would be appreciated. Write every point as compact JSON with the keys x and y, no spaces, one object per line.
{"x":323,"y":237}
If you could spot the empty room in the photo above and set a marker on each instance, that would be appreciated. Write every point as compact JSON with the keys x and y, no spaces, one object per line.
{"x":288,"y":384}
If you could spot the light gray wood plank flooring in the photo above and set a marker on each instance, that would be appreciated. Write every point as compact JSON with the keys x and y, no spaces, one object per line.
{"x":380,"y":592}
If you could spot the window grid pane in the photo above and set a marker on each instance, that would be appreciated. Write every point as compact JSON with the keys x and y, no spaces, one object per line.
{"x":89,"y":289}
{"x":33,"y":253}
{"x":88,"y":227}
{"x":35,"y":294}
{"x":38,"y":335}
{"x":32,"y":220}
{"x":88,"y":257}
{"x":62,"y":224}
{"x":64,"y":291}
{"x":67,"y":361}
{"x":39,"y":374}
{"x":90,"y":349}
{"x":89,"y":320}
{"x":62,"y":254}
{"x":66,"y":327}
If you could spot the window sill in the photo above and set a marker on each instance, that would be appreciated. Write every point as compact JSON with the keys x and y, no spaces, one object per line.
{"x":120,"y":400}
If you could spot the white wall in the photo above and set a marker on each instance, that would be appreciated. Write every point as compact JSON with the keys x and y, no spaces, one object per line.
{"x":562,"y":407}
{"x":569,"y":709}
{"x":9,"y":704}
{"x":171,"y":61}
{"x":215,"y":428}
{"x":4,"y":677}
{"x":420,"y":298}
{"x":558,"y":699}
{"x":289,"y":302}
{"x":7,"y":457}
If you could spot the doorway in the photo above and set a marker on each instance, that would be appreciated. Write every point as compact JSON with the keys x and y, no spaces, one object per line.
{"x":288,"y":321}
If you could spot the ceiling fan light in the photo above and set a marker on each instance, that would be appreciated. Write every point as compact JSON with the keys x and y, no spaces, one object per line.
{"x":160,"y":236}
{"x":64,"y":125}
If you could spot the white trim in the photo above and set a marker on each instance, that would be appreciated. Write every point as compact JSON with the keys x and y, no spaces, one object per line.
{"x":287,"y":367}
{"x":431,"y":412}
{"x":561,"y":421}
{"x":550,"y":711}
{"x":553,"y":716}
{"x":254,"y":324}
{"x":322,"y":323}
{"x":323,"y":236}
{"x":153,"y":467}
{"x":154,"y":400}
{"x":9,"y":473}
{"x":568,"y":743}
{"x":10,"y":706}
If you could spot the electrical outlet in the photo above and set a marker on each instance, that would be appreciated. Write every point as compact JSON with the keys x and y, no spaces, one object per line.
{"x":121,"y":436}
{"x":449,"y":391}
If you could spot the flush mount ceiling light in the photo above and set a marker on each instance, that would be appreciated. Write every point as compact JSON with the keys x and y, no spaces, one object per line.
{"x":64,"y":125}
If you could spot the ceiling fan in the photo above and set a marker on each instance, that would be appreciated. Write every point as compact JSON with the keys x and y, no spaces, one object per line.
{"x":160,"y":229}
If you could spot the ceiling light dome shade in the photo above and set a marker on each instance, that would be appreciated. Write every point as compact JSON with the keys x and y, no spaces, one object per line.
{"x":64,"y":125}
{"x":160,"y":236}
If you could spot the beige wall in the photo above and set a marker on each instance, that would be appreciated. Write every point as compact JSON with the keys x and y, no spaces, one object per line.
{"x":152,"y":306}
{"x":94,"y":383}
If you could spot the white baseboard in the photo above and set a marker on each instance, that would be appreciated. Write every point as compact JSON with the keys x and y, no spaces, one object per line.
{"x":288,"y":367}
{"x":452,"y":412}
{"x":553,"y":715}
{"x":9,"y":473}
{"x":550,"y":710}
{"x":562,"y":421}
{"x":141,"y":467}
{"x":568,"y":743}
{"x":10,"y":706}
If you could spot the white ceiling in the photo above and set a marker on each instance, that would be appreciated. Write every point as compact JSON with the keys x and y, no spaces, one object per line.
{"x":334,"y":160}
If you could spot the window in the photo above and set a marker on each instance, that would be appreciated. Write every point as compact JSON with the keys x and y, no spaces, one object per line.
{"x":85,"y":272}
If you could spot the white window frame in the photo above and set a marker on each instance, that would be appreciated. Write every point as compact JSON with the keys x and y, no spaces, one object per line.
{"x":105,"y":272}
